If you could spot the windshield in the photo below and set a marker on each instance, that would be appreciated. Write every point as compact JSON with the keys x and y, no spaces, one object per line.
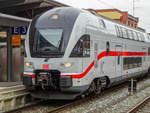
{"x":49,"y":37}
{"x":49,"y":40}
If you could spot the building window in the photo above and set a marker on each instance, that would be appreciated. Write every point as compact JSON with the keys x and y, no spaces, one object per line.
{"x":135,"y":25}
{"x":129,"y":23}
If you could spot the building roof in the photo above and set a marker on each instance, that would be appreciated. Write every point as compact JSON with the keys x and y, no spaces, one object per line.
{"x":27,"y":8}
{"x":8,"y":20}
{"x":114,"y":13}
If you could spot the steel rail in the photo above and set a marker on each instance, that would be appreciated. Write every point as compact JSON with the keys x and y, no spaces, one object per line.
{"x":140,"y":105}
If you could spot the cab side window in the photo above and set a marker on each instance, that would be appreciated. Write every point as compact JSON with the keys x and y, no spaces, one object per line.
{"x":82,"y":48}
{"x":149,"y":51}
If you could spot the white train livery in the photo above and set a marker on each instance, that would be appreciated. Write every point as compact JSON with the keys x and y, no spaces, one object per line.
{"x":72,"y":52}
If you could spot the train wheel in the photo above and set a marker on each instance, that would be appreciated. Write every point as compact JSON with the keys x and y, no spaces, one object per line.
{"x":92,"y":88}
{"x":95,"y":88}
{"x":98,"y":86}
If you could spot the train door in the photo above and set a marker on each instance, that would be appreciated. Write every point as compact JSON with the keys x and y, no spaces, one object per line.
{"x":118,"y":60}
{"x":144,"y":59}
{"x":107,"y":63}
{"x":95,"y":56}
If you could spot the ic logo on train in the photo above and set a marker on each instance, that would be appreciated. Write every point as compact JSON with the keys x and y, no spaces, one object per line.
{"x":21,"y":30}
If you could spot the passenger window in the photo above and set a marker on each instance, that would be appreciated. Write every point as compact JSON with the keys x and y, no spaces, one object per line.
{"x":120,"y":32}
{"x":142,"y":36}
{"x":82,"y":48}
{"x":135,"y":36}
{"x":139,"y":36}
{"x":117,"y":30}
{"x":132,"y":62}
{"x":124,"y":31}
{"x":130,"y":34}
{"x":101,"y":24}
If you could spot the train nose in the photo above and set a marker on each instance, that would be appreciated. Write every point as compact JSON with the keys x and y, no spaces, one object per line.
{"x":49,"y":79}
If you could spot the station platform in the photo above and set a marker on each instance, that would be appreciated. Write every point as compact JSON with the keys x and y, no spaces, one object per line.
{"x":13,"y":95}
{"x":8,"y":85}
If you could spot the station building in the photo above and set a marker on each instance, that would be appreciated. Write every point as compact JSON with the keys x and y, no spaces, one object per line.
{"x":115,"y":14}
{"x":15,"y":17}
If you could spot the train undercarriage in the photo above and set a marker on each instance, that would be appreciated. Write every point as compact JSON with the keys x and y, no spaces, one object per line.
{"x":48,"y":84}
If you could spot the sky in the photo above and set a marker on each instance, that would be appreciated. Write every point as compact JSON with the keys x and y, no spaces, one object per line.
{"x":142,"y":8}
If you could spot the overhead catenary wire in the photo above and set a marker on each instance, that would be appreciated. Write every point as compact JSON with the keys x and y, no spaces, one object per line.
{"x":111,"y":6}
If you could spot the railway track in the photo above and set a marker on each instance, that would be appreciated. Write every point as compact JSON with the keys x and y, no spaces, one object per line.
{"x":62,"y":109}
{"x":84,"y":100}
{"x":68,"y":105}
{"x":139,"y":107}
{"x":62,"y":105}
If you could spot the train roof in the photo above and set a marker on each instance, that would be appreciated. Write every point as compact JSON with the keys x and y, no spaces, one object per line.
{"x":71,"y":13}
{"x":116,"y":23}
{"x":9,"y":20}
{"x":68,"y":13}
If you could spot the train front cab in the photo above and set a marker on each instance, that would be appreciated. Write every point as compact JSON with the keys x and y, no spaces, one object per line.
{"x":57,"y":85}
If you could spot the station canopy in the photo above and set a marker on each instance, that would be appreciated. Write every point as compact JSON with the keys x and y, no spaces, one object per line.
{"x":27,"y":8}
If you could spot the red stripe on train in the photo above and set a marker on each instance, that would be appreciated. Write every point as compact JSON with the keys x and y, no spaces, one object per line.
{"x":103,"y":54}
{"x":32,"y":75}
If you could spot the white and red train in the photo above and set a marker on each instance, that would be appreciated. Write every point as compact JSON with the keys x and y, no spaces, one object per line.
{"x":72,"y":52}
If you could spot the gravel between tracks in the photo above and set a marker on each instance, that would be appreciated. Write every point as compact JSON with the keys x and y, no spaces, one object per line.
{"x":116,"y":102}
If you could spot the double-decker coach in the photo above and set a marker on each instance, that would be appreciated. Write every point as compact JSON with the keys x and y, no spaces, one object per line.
{"x":72,"y":52}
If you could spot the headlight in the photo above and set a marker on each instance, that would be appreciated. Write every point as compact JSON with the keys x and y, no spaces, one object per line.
{"x":67,"y":64}
{"x":28,"y":64}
